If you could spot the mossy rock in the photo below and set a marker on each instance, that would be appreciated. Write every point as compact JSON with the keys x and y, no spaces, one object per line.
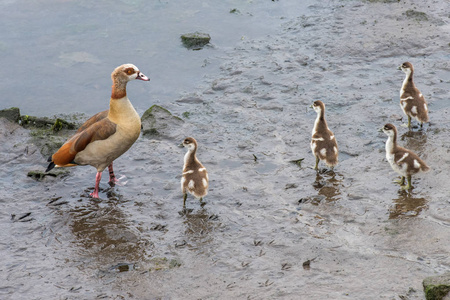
{"x":158,"y":122}
{"x":437,"y":287}
{"x":417,"y":15}
{"x":44,"y":122}
{"x":12,"y":114}
{"x":196,"y":40}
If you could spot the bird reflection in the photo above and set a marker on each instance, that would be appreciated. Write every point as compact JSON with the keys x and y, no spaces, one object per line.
{"x":328,"y":184}
{"x":414,"y":140}
{"x":407,"y":205}
{"x":106,"y":234}
{"x":199,"y":227}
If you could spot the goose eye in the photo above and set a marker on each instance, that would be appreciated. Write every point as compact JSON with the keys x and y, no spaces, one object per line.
{"x":129,"y":71}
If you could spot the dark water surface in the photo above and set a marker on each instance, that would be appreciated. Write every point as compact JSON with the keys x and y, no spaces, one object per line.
{"x":270,"y":228}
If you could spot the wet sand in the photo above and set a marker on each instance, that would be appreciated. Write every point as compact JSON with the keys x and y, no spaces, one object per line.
{"x":270,"y":228}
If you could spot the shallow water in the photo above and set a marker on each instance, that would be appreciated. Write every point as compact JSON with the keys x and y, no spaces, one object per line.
{"x":60,"y":54}
{"x":269,"y":229}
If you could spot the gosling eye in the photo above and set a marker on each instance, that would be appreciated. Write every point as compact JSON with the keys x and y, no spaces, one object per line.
{"x":129,"y":71}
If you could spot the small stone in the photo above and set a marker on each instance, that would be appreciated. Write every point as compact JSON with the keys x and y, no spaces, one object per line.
{"x":195,"y":40}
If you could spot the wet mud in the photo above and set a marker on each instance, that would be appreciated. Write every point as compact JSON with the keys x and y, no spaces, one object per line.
{"x":270,"y":228}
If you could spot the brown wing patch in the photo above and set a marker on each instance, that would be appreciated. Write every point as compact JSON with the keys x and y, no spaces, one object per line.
{"x":94,"y":119}
{"x":100,"y":130}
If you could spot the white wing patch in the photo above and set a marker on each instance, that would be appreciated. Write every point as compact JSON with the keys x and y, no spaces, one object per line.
{"x":323,"y":151}
{"x":331,"y":137}
{"x":205,"y":183}
{"x":416,"y":164}
{"x":202,"y":169}
{"x":318,"y":139}
{"x":188,"y":172}
{"x":191,"y":184}
{"x":414,"y":110}
{"x":403,"y":157}
{"x":335,"y":150}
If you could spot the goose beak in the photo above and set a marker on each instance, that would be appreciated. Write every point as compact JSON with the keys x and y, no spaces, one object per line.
{"x":141,"y":76}
{"x":399,"y":68}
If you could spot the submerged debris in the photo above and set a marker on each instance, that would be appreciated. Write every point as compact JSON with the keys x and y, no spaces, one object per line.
{"x":417,"y":15}
{"x":298,"y":162}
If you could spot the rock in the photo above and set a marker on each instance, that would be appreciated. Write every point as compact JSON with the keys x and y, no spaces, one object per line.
{"x":437,"y":287}
{"x":195,"y":40}
{"x":12,"y":114}
{"x":44,"y":122}
{"x":417,"y":15}
{"x":159,"y":122}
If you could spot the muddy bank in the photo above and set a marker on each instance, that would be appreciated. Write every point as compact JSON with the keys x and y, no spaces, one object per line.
{"x":265,"y":217}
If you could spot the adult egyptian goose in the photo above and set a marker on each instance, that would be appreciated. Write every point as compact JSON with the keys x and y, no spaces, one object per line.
{"x":323,"y":143}
{"x":106,"y":135}
{"x":402,"y":161}
{"x":412,"y":101}
{"x":195,"y":177}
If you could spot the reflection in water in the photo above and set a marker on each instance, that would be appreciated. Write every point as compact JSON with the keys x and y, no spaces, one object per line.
{"x":199,"y":227}
{"x":406,"y":205}
{"x":102,"y":229}
{"x":414,"y":140}
{"x":328,"y":185}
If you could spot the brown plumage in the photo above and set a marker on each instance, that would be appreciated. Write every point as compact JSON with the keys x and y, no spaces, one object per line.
{"x":323,"y":143}
{"x":195,"y":177}
{"x":403,"y":161}
{"x":106,"y":135}
{"x":412,"y":101}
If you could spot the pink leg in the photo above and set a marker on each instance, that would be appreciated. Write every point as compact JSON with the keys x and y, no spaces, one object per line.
{"x":112,"y":177}
{"x":94,"y":194}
